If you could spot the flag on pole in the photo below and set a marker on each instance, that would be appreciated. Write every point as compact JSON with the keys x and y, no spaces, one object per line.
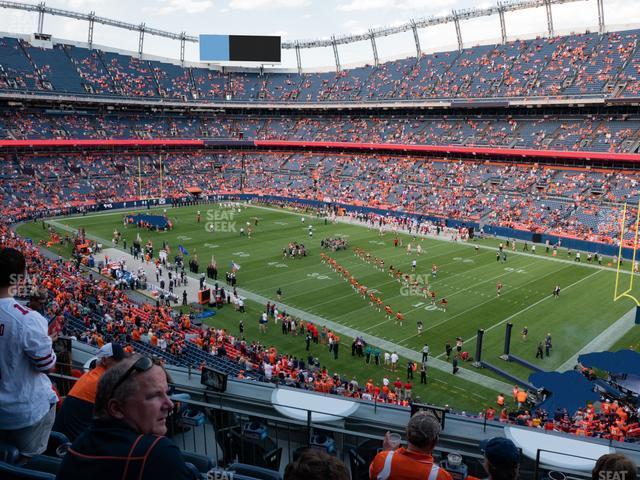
{"x":234,"y":266}
{"x":182,"y":250}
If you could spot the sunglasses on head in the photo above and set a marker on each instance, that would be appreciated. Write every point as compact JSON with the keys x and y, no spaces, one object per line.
{"x":143,"y":364}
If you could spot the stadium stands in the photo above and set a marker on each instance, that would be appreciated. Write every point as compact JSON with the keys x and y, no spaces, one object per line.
{"x":573,"y":202}
{"x":576,"y":65}
{"x":563,"y":200}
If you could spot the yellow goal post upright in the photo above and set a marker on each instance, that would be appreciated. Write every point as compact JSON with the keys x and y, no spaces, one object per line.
{"x":619,"y":291}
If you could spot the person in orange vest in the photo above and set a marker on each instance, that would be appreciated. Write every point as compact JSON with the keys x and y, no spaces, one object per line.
{"x":522,"y":398}
{"x":415,"y":462}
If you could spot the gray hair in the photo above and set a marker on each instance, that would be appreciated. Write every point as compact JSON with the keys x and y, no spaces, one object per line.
{"x":107,"y":383}
{"x":423,"y":429}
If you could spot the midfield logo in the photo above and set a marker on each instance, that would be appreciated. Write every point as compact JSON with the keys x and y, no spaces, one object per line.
{"x":221,"y":220}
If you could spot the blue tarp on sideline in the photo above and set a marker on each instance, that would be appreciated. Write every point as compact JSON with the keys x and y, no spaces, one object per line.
{"x":156,"y":221}
{"x":569,"y":390}
{"x":620,"y":362}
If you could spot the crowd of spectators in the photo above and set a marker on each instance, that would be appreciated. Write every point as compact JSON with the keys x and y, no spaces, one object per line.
{"x":599,"y":133}
{"x":578,"y":64}
{"x":579,"y":203}
{"x":109,"y":315}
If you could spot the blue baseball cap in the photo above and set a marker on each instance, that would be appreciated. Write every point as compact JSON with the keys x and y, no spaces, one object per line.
{"x":500,"y":451}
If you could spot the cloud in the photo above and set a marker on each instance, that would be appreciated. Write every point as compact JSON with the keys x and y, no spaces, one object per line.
{"x":80,"y":5}
{"x":267,"y":4}
{"x":357,"y":5}
{"x":183,"y":6}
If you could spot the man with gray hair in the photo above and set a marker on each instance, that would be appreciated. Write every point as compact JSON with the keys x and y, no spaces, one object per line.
{"x":126,"y":439}
{"x":414,"y":462}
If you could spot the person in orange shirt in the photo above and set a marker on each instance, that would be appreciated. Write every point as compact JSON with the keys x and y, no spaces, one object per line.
{"x":135,"y":335}
{"x":415,"y":462}
{"x":75,"y":415}
{"x":522,"y":398}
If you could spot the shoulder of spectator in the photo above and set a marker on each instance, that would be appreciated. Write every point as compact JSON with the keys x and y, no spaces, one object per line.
{"x":167,"y":459}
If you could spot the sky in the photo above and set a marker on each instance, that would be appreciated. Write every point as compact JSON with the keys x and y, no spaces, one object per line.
{"x":308,"y":20}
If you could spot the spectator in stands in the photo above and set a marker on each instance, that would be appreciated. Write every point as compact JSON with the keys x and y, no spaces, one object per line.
{"x":126,"y":439}
{"x":501,"y":458}
{"x":415,"y":461}
{"x":27,"y":401}
{"x":316,"y":464}
{"x":74,"y":417}
{"x":614,"y":462}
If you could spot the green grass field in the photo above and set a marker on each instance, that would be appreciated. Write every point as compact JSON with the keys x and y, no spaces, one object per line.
{"x":465,"y":277}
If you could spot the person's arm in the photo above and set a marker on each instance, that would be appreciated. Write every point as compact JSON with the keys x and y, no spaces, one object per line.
{"x":36,"y":342}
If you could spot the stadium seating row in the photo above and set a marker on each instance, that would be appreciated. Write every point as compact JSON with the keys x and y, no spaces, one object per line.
{"x":598,"y":133}
{"x":577,"y":65}
{"x":584,"y":203}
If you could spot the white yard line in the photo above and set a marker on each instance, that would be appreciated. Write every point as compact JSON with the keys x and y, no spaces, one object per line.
{"x":605,"y":340}
{"x":510,"y":317}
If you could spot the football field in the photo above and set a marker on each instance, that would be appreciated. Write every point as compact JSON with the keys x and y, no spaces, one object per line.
{"x":467,"y":277}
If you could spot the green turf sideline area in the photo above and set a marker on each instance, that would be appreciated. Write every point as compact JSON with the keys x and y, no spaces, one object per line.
{"x":465,"y":277}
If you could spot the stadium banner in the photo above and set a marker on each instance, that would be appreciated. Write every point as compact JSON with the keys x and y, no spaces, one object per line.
{"x":99,"y":143}
{"x":485,"y":152}
{"x":227,"y":142}
{"x":474,"y":103}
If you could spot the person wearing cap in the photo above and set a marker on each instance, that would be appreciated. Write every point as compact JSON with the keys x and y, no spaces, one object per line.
{"x":415,"y":462}
{"x":126,"y":439}
{"x":76,"y":412}
{"x":501,"y":458}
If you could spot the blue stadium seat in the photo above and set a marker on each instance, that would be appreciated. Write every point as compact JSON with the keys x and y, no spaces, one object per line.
{"x":13,"y":472}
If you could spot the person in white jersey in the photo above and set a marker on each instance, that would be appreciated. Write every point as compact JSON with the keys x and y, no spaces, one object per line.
{"x":27,"y":400}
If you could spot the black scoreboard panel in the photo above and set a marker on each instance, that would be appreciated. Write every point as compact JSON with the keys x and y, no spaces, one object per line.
{"x":254,"y":48}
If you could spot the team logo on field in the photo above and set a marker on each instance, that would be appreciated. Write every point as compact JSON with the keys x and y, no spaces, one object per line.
{"x":318,"y":276}
{"x":463,"y":260}
{"x":514,"y":270}
{"x":277,"y":265}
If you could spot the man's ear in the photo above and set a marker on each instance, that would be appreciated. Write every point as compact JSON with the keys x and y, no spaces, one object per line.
{"x":114,"y":408}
